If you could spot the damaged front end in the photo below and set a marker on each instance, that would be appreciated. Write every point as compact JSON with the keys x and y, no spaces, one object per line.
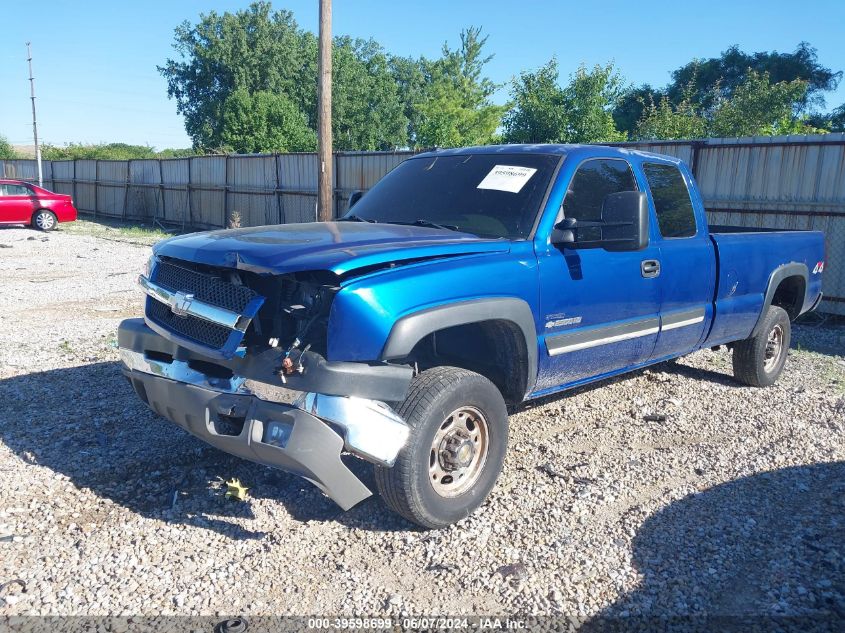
{"x":238,"y":360}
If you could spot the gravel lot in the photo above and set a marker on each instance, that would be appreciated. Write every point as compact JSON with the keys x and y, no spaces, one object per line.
{"x":732,"y":505}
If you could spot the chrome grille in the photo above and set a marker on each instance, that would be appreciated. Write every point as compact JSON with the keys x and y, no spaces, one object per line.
{"x":198,"y":330}
{"x":204,"y":287}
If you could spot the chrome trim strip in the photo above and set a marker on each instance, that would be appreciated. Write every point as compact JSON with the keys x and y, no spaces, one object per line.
{"x":681,"y":318}
{"x":370,"y":428}
{"x":585,"y":339}
{"x":180,"y":371}
{"x":194,"y":307}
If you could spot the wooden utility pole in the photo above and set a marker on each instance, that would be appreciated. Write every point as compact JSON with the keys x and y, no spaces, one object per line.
{"x":34,"y":124}
{"x":325,"y":208}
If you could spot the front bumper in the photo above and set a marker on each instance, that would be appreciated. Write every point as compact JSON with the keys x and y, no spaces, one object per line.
{"x":304,"y":436}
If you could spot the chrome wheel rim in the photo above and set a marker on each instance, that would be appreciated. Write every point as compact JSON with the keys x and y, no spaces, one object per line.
{"x":44,"y":221}
{"x":458,"y":452}
{"x":774,"y":348}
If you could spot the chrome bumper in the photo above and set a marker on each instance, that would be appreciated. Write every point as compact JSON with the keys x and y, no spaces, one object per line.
{"x":370,"y":429}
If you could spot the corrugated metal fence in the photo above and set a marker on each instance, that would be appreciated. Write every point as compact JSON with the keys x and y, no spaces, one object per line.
{"x":794,"y":182}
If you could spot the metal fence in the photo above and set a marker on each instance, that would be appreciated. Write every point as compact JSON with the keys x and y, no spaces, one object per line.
{"x":792,"y":182}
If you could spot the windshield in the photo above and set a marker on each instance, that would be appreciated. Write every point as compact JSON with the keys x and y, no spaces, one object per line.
{"x":490,"y":195}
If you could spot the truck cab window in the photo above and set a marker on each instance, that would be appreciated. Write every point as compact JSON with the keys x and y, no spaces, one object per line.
{"x":672,"y":202}
{"x":593,"y":181}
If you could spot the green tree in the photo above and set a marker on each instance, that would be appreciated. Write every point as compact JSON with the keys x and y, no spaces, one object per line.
{"x":6,"y":149}
{"x":538,"y":112}
{"x":759,"y":107}
{"x":367,"y":111}
{"x":455,"y":107}
{"x":664,"y":121}
{"x":264,"y":122}
{"x":718,"y":78}
{"x":262,"y":50}
{"x":590,"y":98}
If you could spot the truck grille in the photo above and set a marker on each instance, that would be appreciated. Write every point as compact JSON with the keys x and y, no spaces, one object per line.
{"x":208,"y":289}
{"x":190,"y":327}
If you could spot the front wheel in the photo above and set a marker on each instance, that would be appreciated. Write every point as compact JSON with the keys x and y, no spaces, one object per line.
{"x":759,"y":360}
{"x":44,"y":220}
{"x":455,"y":450}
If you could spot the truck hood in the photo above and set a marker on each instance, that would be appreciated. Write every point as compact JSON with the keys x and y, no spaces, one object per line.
{"x":340,"y":247}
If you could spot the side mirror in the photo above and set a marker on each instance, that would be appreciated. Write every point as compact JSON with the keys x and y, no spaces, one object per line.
{"x":623,"y":225}
{"x":625,"y":219}
{"x":354,"y":198}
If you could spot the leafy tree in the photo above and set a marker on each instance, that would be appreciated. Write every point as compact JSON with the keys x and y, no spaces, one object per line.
{"x":590,"y":98}
{"x":538,"y":112}
{"x":759,"y":107}
{"x":632,"y":106}
{"x":367,"y":112}
{"x":409,"y":75}
{"x":455,"y":107}
{"x":264,"y":122}
{"x":580,"y":112}
{"x":262,"y":50}
{"x":6,"y":149}
{"x":664,"y":121}
{"x":719,"y":77}
{"x":256,"y":49}
{"x":108,"y":151}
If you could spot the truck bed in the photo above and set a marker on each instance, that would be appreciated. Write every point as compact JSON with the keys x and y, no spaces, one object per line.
{"x":746,"y":260}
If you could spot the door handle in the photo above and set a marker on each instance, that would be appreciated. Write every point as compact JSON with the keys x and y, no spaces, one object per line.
{"x":650,"y":268}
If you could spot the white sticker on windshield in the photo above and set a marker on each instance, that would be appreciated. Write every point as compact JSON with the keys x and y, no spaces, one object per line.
{"x":507,"y":178}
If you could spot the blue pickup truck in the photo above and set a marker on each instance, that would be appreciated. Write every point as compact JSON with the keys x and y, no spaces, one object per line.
{"x":465,"y":281}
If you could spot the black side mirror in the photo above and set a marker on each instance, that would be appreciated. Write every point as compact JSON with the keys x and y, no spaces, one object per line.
{"x":354,"y":198}
{"x":623,"y":225}
{"x":625,"y":219}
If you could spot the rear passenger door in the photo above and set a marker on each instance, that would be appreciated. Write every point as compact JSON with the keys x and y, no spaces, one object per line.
{"x":686,"y":259}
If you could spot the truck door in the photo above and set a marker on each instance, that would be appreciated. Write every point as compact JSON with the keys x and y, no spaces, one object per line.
{"x":598,"y":308}
{"x":686,"y":263}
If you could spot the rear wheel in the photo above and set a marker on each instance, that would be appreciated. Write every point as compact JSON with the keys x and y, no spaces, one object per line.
{"x":759,"y":360}
{"x":455,"y":451}
{"x":44,"y":220}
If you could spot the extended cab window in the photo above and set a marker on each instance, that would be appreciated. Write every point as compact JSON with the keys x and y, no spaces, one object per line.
{"x":672,"y":202}
{"x":593,"y":181}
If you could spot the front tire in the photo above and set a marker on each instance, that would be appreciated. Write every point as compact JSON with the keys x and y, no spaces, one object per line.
{"x":759,"y":360}
{"x":455,"y":450}
{"x":44,"y":220}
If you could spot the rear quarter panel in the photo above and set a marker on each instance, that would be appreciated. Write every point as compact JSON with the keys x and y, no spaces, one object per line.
{"x":746,"y":262}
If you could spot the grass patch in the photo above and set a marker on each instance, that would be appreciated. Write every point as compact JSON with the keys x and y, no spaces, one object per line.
{"x":113,"y":229}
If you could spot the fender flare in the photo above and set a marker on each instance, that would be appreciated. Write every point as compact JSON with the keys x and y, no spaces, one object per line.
{"x":793,"y":269}
{"x":410,"y":329}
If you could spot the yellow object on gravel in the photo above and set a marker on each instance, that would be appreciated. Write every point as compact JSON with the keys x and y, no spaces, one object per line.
{"x":236,"y":490}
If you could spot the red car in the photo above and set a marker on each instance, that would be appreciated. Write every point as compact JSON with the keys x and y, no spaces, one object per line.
{"x":24,"y":203}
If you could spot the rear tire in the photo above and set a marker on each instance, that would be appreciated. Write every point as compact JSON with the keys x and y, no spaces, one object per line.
{"x":44,"y":220}
{"x":455,"y":450}
{"x":759,"y":360}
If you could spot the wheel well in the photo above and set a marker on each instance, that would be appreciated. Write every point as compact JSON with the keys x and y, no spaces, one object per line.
{"x":496,"y":349}
{"x":790,"y":295}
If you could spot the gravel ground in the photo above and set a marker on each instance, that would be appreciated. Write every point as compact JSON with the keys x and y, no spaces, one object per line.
{"x":733,"y":504}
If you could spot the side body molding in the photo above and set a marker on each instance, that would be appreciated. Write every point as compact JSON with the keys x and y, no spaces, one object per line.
{"x":410,"y":329}
{"x":793,"y":269}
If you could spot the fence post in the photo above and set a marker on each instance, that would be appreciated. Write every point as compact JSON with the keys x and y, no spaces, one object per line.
{"x":226,"y":193}
{"x":188,"y":191}
{"x":279,"y":212}
{"x":161,"y":190}
{"x":96,"y":186}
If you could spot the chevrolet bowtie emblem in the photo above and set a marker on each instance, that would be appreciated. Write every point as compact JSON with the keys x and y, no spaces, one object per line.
{"x":180,"y":303}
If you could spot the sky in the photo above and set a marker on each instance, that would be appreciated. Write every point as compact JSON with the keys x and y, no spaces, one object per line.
{"x":95,"y":62}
